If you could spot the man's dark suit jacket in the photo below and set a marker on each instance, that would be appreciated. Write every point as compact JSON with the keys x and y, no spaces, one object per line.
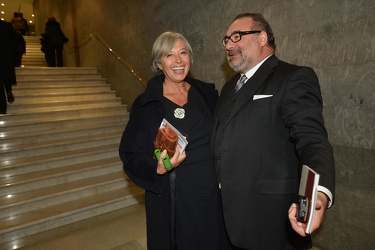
{"x":263,"y":134}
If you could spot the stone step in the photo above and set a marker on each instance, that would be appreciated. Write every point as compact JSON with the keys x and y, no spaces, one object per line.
{"x":59,"y":91}
{"x":23,"y":105}
{"x":58,"y":99}
{"x":54,"y":86}
{"x":53,"y":83}
{"x":32,"y":42}
{"x":57,"y":146}
{"x":35,"y":59}
{"x":26,"y":224}
{"x":18,"y":203}
{"x":55,"y":160}
{"x":9,"y":139}
{"x":64,"y":190}
{"x":33,"y":64}
{"x":21,"y":108}
{"x":33,"y":55}
{"x":16,"y":183}
{"x":33,"y":45}
{"x":8,"y":124}
{"x":52,"y":77}
{"x":32,"y":71}
{"x":49,"y":73}
{"x":31,"y":38}
{"x":66,"y":113}
{"x":60,"y":94}
{"x":41,"y":62}
{"x":32,"y":48}
{"x":19,"y":184}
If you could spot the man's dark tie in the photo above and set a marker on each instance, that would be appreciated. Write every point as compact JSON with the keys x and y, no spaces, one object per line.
{"x":241,"y":82}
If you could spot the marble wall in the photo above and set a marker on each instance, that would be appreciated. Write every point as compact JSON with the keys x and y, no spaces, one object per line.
{"x":336,"y":38}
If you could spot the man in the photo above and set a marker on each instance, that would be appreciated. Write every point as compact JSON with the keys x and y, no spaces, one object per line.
{"x":27,"y":31}
{"x":264,"y":132}
{"x":8,"y":39}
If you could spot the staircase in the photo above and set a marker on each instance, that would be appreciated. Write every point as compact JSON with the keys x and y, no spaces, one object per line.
{"x":59,"y":160}
{"x":33,"y":56}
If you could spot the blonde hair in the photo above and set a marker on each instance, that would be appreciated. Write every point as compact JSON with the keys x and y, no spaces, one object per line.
{"x":163,"y":44}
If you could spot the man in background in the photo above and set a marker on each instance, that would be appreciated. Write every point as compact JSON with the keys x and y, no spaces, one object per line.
{"x":26,"y":24}
{"x":8,"y":39}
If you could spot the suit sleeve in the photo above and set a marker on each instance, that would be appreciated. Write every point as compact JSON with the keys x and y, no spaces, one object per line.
{"x":302,"y":114}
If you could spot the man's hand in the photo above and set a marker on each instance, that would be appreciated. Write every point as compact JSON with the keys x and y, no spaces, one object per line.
{"x":320,"y":208}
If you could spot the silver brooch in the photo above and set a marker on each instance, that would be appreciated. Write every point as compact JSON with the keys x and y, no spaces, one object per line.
{"x":179,"y":113}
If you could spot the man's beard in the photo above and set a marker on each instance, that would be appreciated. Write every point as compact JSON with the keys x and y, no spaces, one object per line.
{"x":238,"y":66}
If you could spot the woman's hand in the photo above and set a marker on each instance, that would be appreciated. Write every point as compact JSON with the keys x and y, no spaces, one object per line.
{"x":176,"y":160}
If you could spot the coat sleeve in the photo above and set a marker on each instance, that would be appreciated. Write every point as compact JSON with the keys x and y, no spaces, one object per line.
{"x":302,"y":114}
{"x":136,"y":150}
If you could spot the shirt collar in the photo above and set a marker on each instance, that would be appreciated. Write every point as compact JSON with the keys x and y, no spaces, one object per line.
{"x":252,"y":71}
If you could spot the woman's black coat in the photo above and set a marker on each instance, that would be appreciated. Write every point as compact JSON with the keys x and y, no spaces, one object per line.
{"x":136,"y":150}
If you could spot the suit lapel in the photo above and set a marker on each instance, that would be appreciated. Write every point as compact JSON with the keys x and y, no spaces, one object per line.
{"x":253,"y":84}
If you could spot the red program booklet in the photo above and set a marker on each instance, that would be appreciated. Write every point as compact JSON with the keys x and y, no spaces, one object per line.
{"x":309,"y":188}
{"x":181,"y":139}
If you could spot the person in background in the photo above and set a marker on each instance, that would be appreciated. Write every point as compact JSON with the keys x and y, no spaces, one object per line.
{"x":266,"y":127}
{"x":183,"y":208}
{"x":26,"y":24}
{"x":18,"y":23}
{"x":19,"y":50}
{"x":54,"y":39}
{"x":8,"y":38}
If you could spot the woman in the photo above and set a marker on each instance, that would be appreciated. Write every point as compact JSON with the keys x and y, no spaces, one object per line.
{"x":182,"y":205}
{"x":53,"y":43}
{"x":18,"y":23}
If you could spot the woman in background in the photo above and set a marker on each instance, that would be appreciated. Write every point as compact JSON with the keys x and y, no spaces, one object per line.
{"x":54,"y":39}
{"x":18,"y":23}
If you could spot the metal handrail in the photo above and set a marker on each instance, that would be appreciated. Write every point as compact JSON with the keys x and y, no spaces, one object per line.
{"x":118,"y":57}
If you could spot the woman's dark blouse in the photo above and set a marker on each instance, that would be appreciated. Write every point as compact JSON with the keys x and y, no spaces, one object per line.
{"x":197,"y":170}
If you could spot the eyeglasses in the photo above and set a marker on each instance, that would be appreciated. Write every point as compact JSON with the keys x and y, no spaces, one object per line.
{"x":236,"y":36}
